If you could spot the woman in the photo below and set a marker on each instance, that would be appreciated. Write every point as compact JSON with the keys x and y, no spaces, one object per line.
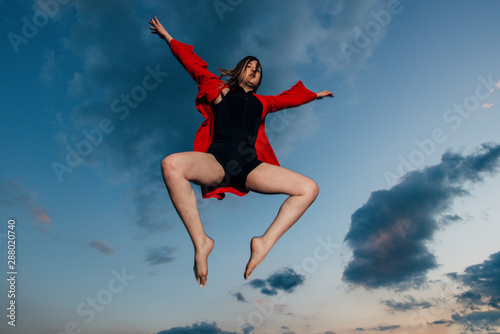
{"x":232,"y":153}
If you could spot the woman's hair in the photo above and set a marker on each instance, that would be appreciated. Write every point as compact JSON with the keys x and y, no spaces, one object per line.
{"x":235,"y":73}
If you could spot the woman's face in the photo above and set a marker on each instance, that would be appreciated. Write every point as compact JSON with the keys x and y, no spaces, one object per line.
{"x":251,"y":74}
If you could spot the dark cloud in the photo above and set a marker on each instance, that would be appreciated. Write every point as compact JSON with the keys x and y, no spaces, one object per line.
{"x":198,"y":328}
{"x":403,"y":306}
{"x":269,"y":292}
{"x":239,"y":297}
{"x":389,"y":234}
{"x":386,"y":328}
{"x":470,"y":299}
{"x":478,"y":321}
{"x":442,"y":322}
{"x":247,"y":329}
{"x":379,"y":328}
{"x":483,"y":281}
{"x":483,"y":284}
{"x":285,"y":279}
{"x":160,"y":255}
{"x":102,"y":247}
{"x":257,"y":283}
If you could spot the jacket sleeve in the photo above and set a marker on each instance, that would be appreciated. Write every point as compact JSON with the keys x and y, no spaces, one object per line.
{"x":293,"y":97}
{"x":194,"y":65}
{"x":209,"y":85}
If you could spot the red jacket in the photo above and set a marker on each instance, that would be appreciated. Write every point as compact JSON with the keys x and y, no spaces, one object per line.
{"x":209,"y":87}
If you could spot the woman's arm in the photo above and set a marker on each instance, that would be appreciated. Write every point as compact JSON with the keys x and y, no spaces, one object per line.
{"x":157,"y":28}
{"x":209,"y":85}
{"x":293,"y":97}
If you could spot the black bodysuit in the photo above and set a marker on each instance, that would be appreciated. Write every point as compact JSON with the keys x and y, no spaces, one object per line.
{"x":236,"y":123}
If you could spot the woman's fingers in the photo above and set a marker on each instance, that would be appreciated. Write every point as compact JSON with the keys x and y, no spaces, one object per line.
{"x":325,"y":93}
{"x":155,"y":25}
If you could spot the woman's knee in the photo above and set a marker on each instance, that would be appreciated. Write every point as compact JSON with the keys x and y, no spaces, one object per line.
{"x":311,"y":189}
{"x":171,"y":166}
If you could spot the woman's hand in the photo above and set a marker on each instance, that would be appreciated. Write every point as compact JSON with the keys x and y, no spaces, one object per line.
{"x":158,"y":29}
{"x":323,"y":94}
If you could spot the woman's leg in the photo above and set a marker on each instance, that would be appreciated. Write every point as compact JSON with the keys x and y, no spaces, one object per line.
{"x":270,"y":179}
{"x":178,"y":170}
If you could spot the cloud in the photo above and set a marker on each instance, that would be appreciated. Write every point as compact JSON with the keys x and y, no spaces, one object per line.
{"x":287,"y":330}
{"x":41,"y":214}
{"x":101,"y":246}
{"x":409,"y":304}
{"x":479,"y":321}
{"x":150,"y":215}
{"x":389,"y":234}
{"x":269,"y":291}
{"x":483,"y":281}
{"x":386,"y":328}
{"x":442,"y":322}
{"x":50,"y":71}
{"x":197,"y":328}
{"x":285,"y":279}
{"x":15,"y":195}
{"x":257,"y":283}
{"x":379,"y":328}
{"x":488,"y":105}
{"x":247,"y":329}
{"x":239,"y":297}
{"x":160,"y":255}
{"x":109,"y":68}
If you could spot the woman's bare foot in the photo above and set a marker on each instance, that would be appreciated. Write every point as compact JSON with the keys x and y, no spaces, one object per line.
{"x":200,"y":267}
{"x":258,"y":253}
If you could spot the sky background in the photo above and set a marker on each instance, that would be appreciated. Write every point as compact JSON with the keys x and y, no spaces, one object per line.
{"x":403,"y":237}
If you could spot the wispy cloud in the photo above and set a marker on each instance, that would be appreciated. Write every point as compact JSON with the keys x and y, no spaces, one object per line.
{"x":287,"y":330}
{"x":160,"y":255}
{"x":488,"y":105}
{"x":15,"y":195}
{"x":379,"y":328}
{"x":389,"y":234}
{"x":386,"y":328}
{"x":49,"y":72}
{"x":102,"y":247}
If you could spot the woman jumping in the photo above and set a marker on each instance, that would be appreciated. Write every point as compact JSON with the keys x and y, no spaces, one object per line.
{"x":232,"y":153}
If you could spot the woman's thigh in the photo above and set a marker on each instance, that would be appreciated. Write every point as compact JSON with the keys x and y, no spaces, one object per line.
{"x":271,"y":179}
{"x":198,"y":167}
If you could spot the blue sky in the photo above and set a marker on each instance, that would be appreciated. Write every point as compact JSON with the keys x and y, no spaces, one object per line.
{"x":402,"y":238}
